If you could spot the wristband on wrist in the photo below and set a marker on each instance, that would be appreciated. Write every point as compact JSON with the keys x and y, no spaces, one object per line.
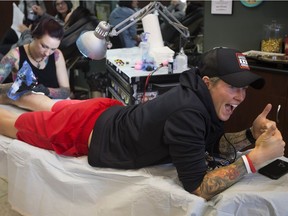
{"x":251,"y":165}
{"x":249,"y":136}
{"x":246,"y":163}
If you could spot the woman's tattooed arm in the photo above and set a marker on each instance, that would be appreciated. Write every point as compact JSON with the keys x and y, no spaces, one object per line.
{"x":6,"y":66}
{"x":59,"y":93}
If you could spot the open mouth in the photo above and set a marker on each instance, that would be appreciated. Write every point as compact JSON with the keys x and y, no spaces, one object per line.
{"x":230,"y":107}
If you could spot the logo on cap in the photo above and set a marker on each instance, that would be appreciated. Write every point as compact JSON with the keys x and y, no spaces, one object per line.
{"x":242,"y":61}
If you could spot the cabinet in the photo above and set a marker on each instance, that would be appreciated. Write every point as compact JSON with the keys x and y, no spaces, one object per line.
{"x":275,"y":92}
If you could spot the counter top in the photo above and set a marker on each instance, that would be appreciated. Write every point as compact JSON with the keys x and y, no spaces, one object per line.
{"x":268,"y":66}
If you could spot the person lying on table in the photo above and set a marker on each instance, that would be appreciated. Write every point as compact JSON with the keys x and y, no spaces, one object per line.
{"x":183,"y":126}
{"x":45,"y":59}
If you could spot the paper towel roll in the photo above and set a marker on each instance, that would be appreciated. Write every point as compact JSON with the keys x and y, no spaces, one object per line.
{"x":151,"y":25}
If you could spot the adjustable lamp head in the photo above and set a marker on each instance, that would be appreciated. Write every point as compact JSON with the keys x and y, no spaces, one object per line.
{"x":93,"y":44}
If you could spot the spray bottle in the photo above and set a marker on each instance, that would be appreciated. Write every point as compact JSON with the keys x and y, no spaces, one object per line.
{"x":181,"y":61}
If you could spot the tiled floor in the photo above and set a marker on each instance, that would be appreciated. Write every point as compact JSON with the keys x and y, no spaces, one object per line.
{"x":5,"y":208}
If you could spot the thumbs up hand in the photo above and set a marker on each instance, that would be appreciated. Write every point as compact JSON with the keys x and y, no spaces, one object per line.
{"x":261,"y":123}
{"x":268,"y":146}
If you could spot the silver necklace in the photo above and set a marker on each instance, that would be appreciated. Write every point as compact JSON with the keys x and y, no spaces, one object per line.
{"x":38,"y":62}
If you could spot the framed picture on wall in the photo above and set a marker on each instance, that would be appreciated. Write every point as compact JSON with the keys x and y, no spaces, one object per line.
{"x":221,"y":6}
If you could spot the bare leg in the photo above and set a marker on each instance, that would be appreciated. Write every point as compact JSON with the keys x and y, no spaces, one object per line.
{"x":3,"y":90}
{"x":34,"y":102}
{"x":7,"y":121}
{"x":28,"y":101}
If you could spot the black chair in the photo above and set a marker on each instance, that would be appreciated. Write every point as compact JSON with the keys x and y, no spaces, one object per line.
{"x":193,"y":21}
{"x":68,"y":43}
{"x":8,"y":39}
{"x":116,"y":42}
{"x":74,"y":59}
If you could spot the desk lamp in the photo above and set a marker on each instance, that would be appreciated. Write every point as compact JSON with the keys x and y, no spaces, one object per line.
{"x":93,"y":44}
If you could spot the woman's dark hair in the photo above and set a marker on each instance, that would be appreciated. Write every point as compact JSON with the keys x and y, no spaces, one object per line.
{"x":125,"y":4}
{"x":50,"y":26}
{"x":76,"y":15}
{"x":69,"y":6}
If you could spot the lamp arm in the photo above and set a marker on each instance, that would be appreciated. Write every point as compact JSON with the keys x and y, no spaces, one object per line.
{"x":171,"y":19}
{"x":134,"y":18}
{"x":150,"y":8}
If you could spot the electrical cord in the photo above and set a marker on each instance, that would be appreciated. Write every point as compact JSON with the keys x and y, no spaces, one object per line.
{"x":215,"y":161}
{"x":147,"y":81}
{"x":234,"y":149}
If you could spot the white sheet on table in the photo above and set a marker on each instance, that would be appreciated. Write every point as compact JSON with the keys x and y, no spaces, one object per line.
{"x":4,"y":143}
{"x":42,"y":183}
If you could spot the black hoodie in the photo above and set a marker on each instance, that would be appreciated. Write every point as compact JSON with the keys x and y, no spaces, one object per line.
{"x":179,"y":126}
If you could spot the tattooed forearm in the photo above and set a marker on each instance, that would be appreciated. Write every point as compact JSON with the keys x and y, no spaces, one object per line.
{"x":6,"y":66}
{"x":238,"y":140}
{"x":220,"y":179}
{"x":59,"y":93}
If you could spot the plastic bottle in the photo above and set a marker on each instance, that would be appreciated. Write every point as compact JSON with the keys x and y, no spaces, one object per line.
{"x":181,"y":61}
{"x":144,"y":47}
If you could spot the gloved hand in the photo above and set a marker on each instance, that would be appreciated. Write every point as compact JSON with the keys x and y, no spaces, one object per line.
{"x":40,"y":89}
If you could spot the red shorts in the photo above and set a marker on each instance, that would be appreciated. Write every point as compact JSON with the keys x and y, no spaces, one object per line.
{"x":66,"y":128}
